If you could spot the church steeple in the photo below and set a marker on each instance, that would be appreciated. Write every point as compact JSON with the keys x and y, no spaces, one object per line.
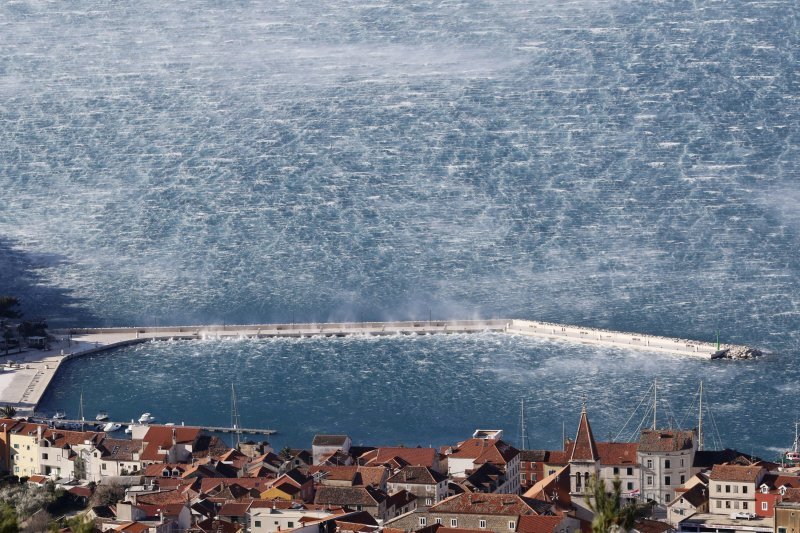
{"x":584,"y":449}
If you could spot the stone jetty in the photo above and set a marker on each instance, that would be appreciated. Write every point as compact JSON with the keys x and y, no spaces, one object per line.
{"x":25,"y":376}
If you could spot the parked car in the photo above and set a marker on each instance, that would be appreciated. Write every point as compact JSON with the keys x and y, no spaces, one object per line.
{"x":743,"y":514}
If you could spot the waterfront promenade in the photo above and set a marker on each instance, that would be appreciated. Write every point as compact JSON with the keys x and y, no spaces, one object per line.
{"x":25,"y":376}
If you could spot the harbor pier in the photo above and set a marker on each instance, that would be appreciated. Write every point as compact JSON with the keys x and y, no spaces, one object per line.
{"x":26,"y":376}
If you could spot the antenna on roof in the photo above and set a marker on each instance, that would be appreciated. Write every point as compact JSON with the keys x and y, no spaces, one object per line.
{"x":522,"y":424}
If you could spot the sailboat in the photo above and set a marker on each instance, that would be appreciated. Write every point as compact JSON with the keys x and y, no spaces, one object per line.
{"x":793,"y":455}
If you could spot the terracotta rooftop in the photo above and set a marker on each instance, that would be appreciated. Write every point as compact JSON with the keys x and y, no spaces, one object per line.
{"x":538,"y":524}
{"x":349,"y":496}
{"x":119,"y":449}
{"x":741,"y":474}
{"x":665,"y":440}
{"x":617,"y":453}
{"x":487,"y":504}
{"x":419,"y":475}
{"x":412,"y":456}
{"x":791,"y":496}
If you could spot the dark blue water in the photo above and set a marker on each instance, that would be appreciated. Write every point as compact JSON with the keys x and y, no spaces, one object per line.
{"x":424,"y":390}
{"x":631,"y":165}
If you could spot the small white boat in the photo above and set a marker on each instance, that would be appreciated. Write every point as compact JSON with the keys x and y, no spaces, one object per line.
{"x":111,"y":427}
{"x":128,"y":429}
{"x":60,"y":415}
{"x":146,"y":418}
{"x":793,"y":455}
{"x":102,"y":416}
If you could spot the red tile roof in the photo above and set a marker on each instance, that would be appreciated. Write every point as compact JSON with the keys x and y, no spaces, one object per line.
{"x":538,"y":524}
{"x":617,"y":453}
{"x":412,"y":456}
{"x":488,"y":504}
{"x":417,"y":475}
{"x":665,"y":440}
{"x":742,"y":474}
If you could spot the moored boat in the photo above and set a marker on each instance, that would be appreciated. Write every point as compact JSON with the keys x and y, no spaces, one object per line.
{"x":146,"y":418}
{"x":102,"y":416}
{"x":111,"y":427}
{"x":793,"y":455}
{"x":60,"y":415}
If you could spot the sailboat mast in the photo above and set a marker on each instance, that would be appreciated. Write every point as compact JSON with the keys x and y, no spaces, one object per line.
{"x":522,"y":423}
{"x":700,"y":420}
{"x":655,"y":401}
{"x":235,"y":416}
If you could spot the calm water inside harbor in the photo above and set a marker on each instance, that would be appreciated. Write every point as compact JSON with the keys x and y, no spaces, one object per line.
{"x":425,"y":390}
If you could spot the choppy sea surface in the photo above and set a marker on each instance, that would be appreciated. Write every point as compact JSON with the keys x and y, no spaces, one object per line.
{"x":620,"y":164}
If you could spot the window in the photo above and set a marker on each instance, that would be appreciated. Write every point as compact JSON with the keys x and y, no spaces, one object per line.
{"x":727,"y":504}
{"x":16,"y":469}
{"x":423,"y":521}
{"x":616,"y":471}
{"x":290,"y":524}
{"x":649,"y":463}
{"x":744,"y":505}
{"x":667,"y":480}
{"x":719,"y":488}
{"x":439,"y":521}
{"x":719,"y":504}
{"x":257,"y":523}
{"x":512,"y":525}
{"x":630,"y":485}
{"x":736,"y":504}
{"x":44,"y":457}
{"x":454,"y":522}
{"x":727,"y":488}
{"x":666,"y":463}
{"x":683,"y":479}
{"x":649,"y":480}
{"x":104,"y":466}
{"x":578,"y":481}
{"x":781,"y":530}
{"x":681,"y":462}
{"x":764,"y":506}
{"x":522,"y":477}
{"x":16,"y":446}
{"x":428,"y":501}
{"x":482,"y":524}
{"x":629,"y":471}
{"x":744,"y":489}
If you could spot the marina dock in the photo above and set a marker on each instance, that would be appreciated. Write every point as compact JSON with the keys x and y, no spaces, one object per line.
{"x":214,"y":429}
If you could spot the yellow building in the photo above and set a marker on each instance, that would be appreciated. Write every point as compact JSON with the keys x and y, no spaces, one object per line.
{"x":23,"y":441}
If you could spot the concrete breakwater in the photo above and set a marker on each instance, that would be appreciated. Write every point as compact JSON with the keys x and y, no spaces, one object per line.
{"x":26,"y":376}
{"x":637,"y":341}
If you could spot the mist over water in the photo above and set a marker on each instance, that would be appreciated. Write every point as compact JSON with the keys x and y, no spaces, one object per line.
{"x":630,"y":165}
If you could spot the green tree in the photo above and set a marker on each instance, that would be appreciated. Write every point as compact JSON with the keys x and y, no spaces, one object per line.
{"x":8,"y":307}
{"x":8,"y":519}
{"x":80,"y":524}
{"x":609,"y":514}
{"x":8,"y":411}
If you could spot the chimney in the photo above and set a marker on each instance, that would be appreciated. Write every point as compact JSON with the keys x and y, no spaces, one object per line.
{"x":38,"y":433}
{"x":174,"y":436}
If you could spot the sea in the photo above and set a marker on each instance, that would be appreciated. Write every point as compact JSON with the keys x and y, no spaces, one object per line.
{"x":631,"y":165}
